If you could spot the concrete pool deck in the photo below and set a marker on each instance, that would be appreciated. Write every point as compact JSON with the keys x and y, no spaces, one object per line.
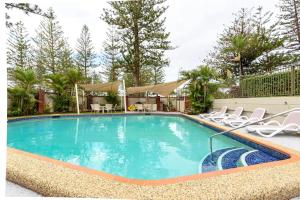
{"x":272,"y":182}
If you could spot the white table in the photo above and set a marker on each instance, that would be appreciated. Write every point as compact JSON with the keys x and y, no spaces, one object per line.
{"x":102,"y":108}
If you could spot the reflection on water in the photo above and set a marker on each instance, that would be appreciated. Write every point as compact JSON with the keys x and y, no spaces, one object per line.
{"x":142,"y":147}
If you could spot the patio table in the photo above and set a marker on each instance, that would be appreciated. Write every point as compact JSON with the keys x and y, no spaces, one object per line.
{"x":102,"y":108}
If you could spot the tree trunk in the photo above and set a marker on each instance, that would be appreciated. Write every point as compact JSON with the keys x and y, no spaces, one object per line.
{"x":85,"y":66}
{"x":297,"y":21}
{"x":136,"y":46}
{"x":136,"y":78}
{"x":241,"y":71}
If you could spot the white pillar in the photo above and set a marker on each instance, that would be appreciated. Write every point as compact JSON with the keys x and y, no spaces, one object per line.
{"x":77,"y":101}
{"x":83,"y":100}
{"x":124,"y":93}
{"x":184,"y":104}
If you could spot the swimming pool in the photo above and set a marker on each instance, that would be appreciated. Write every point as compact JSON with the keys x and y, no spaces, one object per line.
{"x":147,"y":147}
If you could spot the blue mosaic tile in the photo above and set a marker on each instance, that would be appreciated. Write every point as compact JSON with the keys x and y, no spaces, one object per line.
{"x":230,"y":159}
{"x":258,"y":157}
{"x":267,"y":150}
{"x":210,"y":164}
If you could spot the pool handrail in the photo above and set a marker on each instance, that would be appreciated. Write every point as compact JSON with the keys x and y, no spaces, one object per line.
{"x":233,"y":129}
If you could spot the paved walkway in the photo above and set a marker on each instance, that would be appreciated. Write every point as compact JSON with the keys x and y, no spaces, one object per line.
{"x":14,"y":190}
{"x":286,"y":140}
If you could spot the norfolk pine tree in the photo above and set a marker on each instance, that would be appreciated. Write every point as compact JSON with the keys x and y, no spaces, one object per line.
{"x":18,"y":47}
{"x":290,"y":22}
{"x":111,"y":55}
{"x":143,"y":37}
{"x":49,"y":45}
{"x":85,"y":51}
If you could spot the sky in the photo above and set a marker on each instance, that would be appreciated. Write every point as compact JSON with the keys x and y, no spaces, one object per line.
{"x":194,"y":25}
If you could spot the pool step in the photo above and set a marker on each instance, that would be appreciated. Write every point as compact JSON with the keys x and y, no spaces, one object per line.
{"x":256,"y":157}
{"x":228,"y":158}
{"x":208,"y":164}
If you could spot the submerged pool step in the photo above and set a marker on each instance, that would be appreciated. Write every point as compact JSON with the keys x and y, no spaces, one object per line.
{"x":209,"y":164}
{"x":256,"y":157}
{"x":229,"y":159}
{"x":233,"y":157}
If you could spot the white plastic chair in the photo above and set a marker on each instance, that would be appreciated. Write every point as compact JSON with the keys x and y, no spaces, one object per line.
{"x":115,"y":108}
{"x":291,"y":124}
{"x":256,"y":115}
{"x":214,"y":114}
{"x":235,"y":115}
{"x":140,"y":107}
{"x":108,"y":107}
{"x":148,"y":107}
{"x":95,"y":107}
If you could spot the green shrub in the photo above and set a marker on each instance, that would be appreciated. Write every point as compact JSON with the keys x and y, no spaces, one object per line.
{"x":63,"y":85}
{"x":22,"y":94}
{"x":200,"y":89}
{"x":112,"y":98}
{"x":15,"y":112}
{"x":61,"y":102}
{"x":47,"y":109}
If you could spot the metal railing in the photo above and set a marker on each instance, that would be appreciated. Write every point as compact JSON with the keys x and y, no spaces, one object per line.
{"x":281,"y":81}
{"x":233,"y":129}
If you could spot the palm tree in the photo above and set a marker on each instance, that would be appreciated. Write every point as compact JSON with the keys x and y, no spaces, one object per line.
{"x":25,"y":79}
{"x":238,"y":44}
{"x":62,"y":85}
{"x":73,"y":76}
{"x":200,"y":87}
{"x":57,"y":82}
{"x":22,"y":94}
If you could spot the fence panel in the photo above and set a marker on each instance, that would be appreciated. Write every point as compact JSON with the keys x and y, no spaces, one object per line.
{"x":284,"y":81}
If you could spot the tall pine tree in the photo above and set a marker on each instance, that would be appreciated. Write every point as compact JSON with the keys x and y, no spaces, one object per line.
{"x":111,"y":55}
{"x":143,"y":36}
{"x":66,"y":58}
{"x":85,"y":57}
{"x":18,"y":47}
{"x":290,"y":22}
{"x":50,"y":45}
{"x":248,"y":45}
{"x":158,"y":74}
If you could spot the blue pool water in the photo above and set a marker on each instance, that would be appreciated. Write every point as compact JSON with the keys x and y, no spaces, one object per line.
{"x":135,"y":146}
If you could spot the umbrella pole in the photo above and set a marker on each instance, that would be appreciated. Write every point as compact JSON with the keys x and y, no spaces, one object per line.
{"x":77,"y":101}
{"x":124,"y":89}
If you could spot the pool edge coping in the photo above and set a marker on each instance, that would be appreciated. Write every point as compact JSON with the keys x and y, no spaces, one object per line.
{"x":292,"y":157}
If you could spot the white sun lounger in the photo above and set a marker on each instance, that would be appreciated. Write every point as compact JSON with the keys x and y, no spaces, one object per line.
{"x":235,"y":115}
{"x":256,"y":115}
{"x":214,"y":114}
{"x":291,"y":124}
